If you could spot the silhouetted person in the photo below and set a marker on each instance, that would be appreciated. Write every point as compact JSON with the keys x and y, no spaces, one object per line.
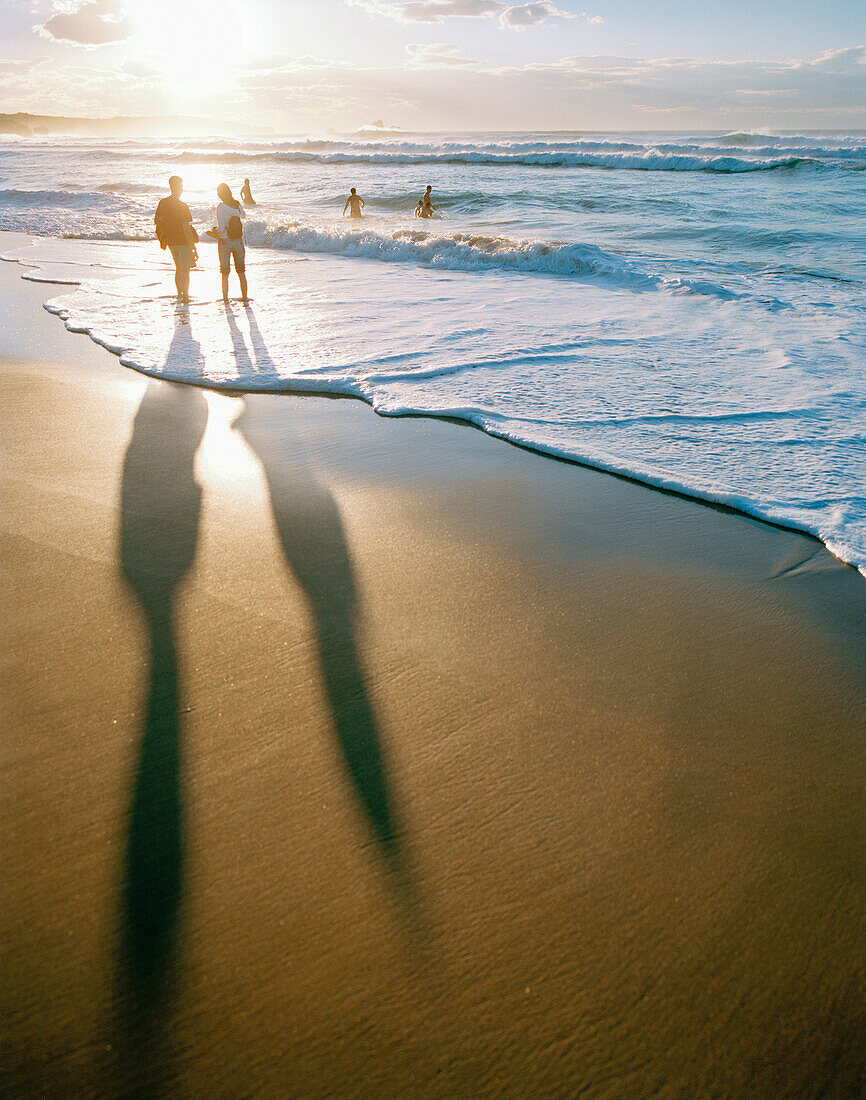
{"x":356,"y":203}
{"x":426,"y":204}
{"x":230,"y":240}
{"x":246,"y":194}
{"x":174,"y":230}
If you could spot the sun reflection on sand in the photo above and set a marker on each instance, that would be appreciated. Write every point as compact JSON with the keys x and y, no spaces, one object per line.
{"x":223,"y":454}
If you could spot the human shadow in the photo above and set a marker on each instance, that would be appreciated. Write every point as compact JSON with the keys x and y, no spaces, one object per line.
{"x":246,"y":365}
{"x":316,"y":552}
{"x":160,"y":502}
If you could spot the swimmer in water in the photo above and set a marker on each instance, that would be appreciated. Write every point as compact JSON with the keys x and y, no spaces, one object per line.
{"x":246,"y":194}
{"x":356,"y":202}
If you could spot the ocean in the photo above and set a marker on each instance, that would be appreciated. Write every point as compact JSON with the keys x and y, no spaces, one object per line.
{"x":685,"y":309}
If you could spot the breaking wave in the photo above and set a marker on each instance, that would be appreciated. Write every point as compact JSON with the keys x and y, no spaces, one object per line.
{"x":474,"y":252}
{"x":648,"y":161}
{"x":77,"y":200}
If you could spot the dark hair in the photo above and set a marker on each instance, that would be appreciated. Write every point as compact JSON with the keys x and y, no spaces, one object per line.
{"x":353,"y":190}
{"x":225,"y":193}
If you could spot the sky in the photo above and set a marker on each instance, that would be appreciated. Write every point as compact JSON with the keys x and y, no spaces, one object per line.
{"x":300,"y":66}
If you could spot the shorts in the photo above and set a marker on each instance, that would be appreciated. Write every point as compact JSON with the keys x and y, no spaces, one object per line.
{"x":227,"y":249}
{"x":182,"y":256}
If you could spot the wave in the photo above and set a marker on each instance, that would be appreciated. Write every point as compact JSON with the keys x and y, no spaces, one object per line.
{"x":474,"y":252}
{"x":727,"y":153}
{"x":827,"y":139}
{"x":736,"y":151}
{"x":649,"y":161}
{"x":132,"y":188}
{"x":815,"y":144}
{"x":78,"y":200}
{"x":109,"y":235}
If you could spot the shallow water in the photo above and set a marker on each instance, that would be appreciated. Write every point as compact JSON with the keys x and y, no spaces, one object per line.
{"x":687,"y":310}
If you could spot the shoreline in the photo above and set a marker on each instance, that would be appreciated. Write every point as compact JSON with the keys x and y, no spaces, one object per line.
{"x":359,"y":755}
{"x":738,"y":506}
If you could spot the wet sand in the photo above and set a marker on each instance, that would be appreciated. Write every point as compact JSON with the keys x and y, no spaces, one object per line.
{"x":358,"y":757}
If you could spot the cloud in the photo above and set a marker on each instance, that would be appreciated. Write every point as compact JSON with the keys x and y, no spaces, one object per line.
{"x":282,"y":61}
{"x":21,"y":66}
{"x":141,"y":68}
{"x":436,"y":55}
{"x":530,"y":15}
{"x":568,"y":93}
{"x":431,"y":11}
{"x":514,"y":17}
{"x":765,"y":93}
{"x":600,"y":92}
{"x":852,"y":59}
{"x":92,"y":23}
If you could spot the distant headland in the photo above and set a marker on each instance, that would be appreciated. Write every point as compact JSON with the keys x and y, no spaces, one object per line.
{"x":27,"y":125}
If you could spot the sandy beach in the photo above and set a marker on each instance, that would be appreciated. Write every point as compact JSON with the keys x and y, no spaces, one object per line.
{"x":350,"y":756}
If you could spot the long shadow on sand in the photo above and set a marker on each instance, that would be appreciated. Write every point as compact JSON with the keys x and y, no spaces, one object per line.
{"x":315,"y":550}
{"x":160,"y":505}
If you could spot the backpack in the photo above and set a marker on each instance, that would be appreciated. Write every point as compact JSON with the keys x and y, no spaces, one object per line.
{"x":234,"y":229}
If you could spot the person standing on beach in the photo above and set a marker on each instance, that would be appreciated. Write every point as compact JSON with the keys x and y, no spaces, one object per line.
{"x":356,"y":202}
{"x":174,"y":231}
{"x":230,"y":240}
{"x":246,"y":194}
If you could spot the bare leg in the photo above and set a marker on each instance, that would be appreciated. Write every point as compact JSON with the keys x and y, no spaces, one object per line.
{"x":242,"y":276}
{"x":225,"y":282}
{"x":181,"y":281}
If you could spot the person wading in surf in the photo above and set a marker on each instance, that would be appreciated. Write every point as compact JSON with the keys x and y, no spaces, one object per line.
{"x":426,"y":204}
{"x":356,"y":203}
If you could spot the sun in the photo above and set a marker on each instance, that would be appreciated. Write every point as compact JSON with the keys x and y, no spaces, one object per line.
{"x":196,"y":44}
